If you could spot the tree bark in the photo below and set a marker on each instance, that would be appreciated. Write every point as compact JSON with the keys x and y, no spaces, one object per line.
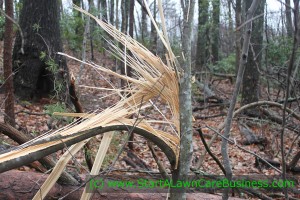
{"x":202,"y":47}
{"x":117,"y":15}
{"x":238,"y":19}
{"x":250,"y":85}
{"x":9,"y":116}
{"x":112,"y":11}
{"x":103,"y":10}
{"x":144,"y":25}
{"x":185,"y":101}
{"x":153,"y":32}
{"x":215,"y":31}
{"x":78,"y":17}
{"x":46,"y":161}
{"x":288,"y":16}
{"x":36,"y":76}
{"x":65,"y":141}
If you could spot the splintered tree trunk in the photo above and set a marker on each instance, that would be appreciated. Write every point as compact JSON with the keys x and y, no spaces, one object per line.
{"x":202,"y":46}
{"x":250,"y":83}
{"x":186,"y":128}
{"x":36,"y":76}
{"x":7,"y":57}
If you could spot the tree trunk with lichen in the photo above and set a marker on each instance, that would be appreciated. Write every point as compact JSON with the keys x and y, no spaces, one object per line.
{"x":250,"y":85}
{"x":202,"y":46}
{"x":186,"y":129}
{"x":39,"y":71}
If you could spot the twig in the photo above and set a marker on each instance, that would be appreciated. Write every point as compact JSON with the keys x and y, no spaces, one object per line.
{"x":30,"y":113}
{"x":238,"y":111}
{"x":161,"y":168}
{"x":240,"y":147}
{"x":209,"y":152}
{"x":19,"y":28}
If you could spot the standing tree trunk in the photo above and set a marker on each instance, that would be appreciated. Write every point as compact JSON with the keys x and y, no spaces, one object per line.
{"x":186,"y":133}
{"x":104,"y":10}
{"x":78,"y":18}
{"x":230,"y":31}
{"x":112,"y":11}
{"x":124,"y":11}
{"x":7,"y":65}
{"x":202,"y":47}
{"x":288,"y":16}
{"x":144,"y":25}
{"x":238,"y":19}
{"x":131,"y":27}
{"x":40,"y":71}
{"x":131,"y":18}
{"x":117,"y":14}
{"x":215,"y":31}
{"x":153,"y":31}
{"x":250,"y":90}
{"x":239,"y":78}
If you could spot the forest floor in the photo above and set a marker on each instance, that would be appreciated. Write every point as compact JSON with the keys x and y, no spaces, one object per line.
{"x":31,"y":119}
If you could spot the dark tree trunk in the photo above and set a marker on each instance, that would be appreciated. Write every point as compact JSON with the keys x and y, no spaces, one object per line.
{"x":131,"y":27}
{"x":153,"y":31}
{"x":7,"y":65}
{"x":92,"y":27}
{"x":250,"y":88}
{"x":36,"y":76}
{"x":117,"y":15}
{"x":215,"y":30}
{"x":125,"y":16}
{"x":288,"y":15}
{"x":104,"y":10}
{"x":202,"y":47}
{"x":238,"y":19}
{"x":78,"y":17}
{"x":144,"y":25}
{"x":111,"y":14}
{"x":131,"y":18}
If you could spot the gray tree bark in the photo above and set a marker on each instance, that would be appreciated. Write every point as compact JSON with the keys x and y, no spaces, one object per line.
{"x":186,"y":133}
{"x":238,"y":19}
{"x":202,"y":46}
{"x":288,"y":16}
{"x":215,"y":30}
{"x":250,"y":88}
{"x":153,"y":32}
{"x":144,"y":25}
